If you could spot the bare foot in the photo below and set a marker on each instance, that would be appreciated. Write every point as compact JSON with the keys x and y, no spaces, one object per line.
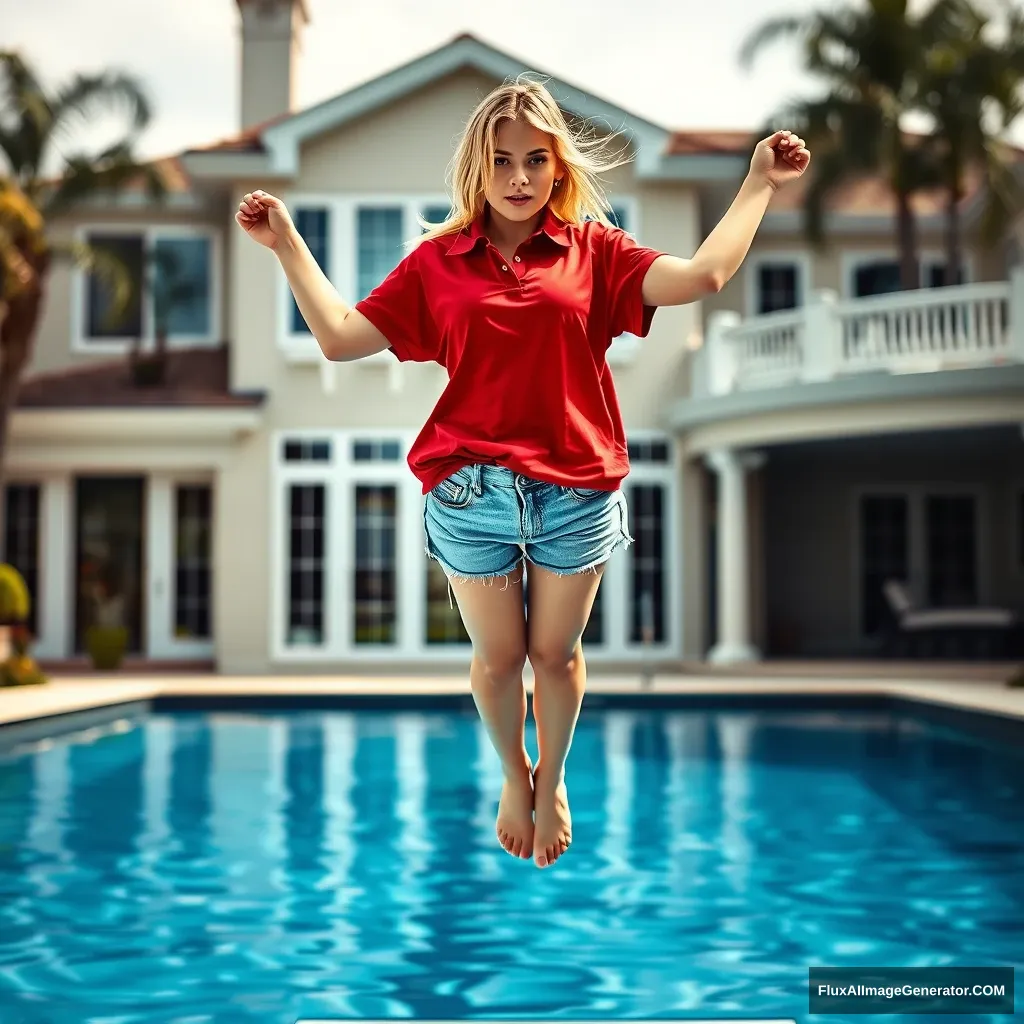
{"x":515,"y":813}
{"x":553,"y":829}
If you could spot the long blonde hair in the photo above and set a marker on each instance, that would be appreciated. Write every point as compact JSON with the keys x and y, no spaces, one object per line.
{"x":578,"y":149}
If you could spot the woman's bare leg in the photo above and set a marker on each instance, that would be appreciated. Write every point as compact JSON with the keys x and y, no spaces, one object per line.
{"x":492,"y":612}
{"x":559,"y":607}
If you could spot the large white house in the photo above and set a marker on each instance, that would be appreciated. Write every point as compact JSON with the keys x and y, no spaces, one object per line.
{"x":796,"y":441}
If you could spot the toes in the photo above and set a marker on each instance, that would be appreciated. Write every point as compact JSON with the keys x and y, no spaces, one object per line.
{"x":516,"y":848}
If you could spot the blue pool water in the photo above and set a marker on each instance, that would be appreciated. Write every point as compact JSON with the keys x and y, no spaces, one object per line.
{"x":235,"y":868}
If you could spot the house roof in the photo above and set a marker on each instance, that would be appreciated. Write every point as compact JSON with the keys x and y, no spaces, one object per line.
{"x":195,"y":377}
{"x":663,"y":154}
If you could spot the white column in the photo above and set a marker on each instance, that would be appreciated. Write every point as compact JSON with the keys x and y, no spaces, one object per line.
{"x":822,"y":337}
{"x":734,"y":636}
{"x":719,"y":371}
{"x":55,"y":614}
{"x":159,"y":566}
{"x":1016,"y":328}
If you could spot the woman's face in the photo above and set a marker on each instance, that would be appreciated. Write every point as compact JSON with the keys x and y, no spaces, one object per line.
{"x":525,"y":167}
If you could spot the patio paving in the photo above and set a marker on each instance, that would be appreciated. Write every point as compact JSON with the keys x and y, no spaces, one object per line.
{"x":975,"y":688}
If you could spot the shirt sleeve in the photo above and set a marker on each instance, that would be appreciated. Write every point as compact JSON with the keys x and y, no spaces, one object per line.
{"x":627,"y":263}
{"x":397,"y":307}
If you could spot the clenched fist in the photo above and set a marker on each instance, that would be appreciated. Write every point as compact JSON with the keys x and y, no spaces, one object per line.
{"x":264,"y":218}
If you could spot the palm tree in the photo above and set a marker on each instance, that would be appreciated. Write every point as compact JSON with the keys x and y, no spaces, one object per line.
{"x":964,"y":81}
{"x":868,"y":57}
{"x":31,"y":123}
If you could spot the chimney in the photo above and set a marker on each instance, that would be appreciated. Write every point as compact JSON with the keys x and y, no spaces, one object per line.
{"x":271,"y":34}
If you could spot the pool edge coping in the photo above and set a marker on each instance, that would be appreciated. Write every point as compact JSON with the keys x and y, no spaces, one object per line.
{"x":68,"y":701}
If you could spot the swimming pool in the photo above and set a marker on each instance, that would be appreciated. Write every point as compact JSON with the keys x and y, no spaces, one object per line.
{"x":241,"y":867}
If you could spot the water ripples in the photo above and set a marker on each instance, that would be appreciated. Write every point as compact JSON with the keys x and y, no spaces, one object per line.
{"x":215,"y":869}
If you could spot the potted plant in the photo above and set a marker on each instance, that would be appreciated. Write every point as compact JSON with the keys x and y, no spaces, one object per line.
{"x":15,"y":605}
{"x":106,"y":639}
{"x":17,"y":667}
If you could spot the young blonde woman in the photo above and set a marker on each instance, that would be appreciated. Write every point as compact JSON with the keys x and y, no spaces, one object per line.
{"x":518,"y":295}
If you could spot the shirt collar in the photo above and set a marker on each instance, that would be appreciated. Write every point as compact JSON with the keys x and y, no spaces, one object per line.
{"x":551,"y":225}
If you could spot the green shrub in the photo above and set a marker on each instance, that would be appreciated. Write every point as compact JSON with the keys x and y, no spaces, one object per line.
{"x":15,"y":603}
{"x":20,"y":670}
{"x":106,"y":646}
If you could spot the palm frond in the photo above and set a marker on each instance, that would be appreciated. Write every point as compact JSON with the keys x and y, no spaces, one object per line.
{"x":768,"y":33}
{"x":88,"y":177}
{"x":86,"y":95}
{"x":109,"y":270}
{"x":25,"y":116}
{"x":21,"y":240}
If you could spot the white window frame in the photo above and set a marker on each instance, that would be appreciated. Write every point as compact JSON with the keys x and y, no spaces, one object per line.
{"x":161,"y":567}
{"x":852,"y":259}
{"x":760,"y":257}
{"x":81,"y":343}
{"x":341,"y":475}
{"x":342,"y":247}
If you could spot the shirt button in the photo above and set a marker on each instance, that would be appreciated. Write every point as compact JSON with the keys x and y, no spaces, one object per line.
{"x":503,"y":267}
{"x":519,"y":259}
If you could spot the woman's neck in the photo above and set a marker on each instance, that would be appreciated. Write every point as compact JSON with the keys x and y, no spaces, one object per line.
{"x":508,"y":234}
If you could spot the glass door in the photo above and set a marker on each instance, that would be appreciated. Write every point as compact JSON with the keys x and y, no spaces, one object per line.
{"x":109,"y":587}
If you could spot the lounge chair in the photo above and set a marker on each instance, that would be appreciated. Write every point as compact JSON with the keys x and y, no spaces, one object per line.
{"x":930,"y":631}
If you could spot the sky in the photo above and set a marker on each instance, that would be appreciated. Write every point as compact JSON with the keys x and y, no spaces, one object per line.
{"x":675,"y":62}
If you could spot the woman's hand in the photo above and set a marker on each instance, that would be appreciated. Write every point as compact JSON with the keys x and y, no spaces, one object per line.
{"x":264,"y":218}
{"x":780,"y":159}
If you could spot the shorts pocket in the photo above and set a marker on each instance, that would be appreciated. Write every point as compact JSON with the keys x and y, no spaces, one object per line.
{"x":453,"y":492}
{"x":585,"y":493}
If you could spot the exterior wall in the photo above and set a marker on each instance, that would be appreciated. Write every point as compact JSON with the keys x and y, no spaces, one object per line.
{"x":242,"y":558}
{"x":56,"y":347}
{"x":811,"y":526}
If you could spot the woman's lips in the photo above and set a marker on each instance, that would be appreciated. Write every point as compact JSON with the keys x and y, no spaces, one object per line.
{"x":519,"y":200}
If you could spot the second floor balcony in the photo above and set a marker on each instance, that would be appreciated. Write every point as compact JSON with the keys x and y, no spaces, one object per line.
{"x":828,"y":339}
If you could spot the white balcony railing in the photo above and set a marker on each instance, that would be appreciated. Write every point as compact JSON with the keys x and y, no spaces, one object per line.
{"x":901,"y":332}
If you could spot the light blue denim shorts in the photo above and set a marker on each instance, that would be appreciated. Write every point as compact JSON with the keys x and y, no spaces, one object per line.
{"x":483,"y":520}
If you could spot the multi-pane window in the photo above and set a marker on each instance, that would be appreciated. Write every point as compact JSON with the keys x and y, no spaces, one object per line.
{"x":885,"y":554}
{"x":21,"y":540}
{"x":648,"y":451}
{"x":365,"y":450}
{"x":647,"y":564}
{"x":316,"y":450}
{"x":171,"y":286}
{"x":306,"y":564}
{"x":181,"y":286}
{"x":778,"y":287}
{"x":951,"y":541}
{"x":313,"y":224}
{"x":435,"y":214}
{"x":378,"y":245}
{"x":102,"y":318}
{"x":193,"y":562}
{"x":881,"y":276}
{"x":375,"y":606}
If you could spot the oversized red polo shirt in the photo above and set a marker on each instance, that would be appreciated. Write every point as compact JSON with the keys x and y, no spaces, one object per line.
{"x":524,"y":343}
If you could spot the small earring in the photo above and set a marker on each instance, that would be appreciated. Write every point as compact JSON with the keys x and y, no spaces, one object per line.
{"x":558,"y":182}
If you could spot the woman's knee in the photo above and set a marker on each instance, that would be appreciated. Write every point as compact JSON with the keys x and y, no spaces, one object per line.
{"x":502,"y":664}
{"x":553,"y":655}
